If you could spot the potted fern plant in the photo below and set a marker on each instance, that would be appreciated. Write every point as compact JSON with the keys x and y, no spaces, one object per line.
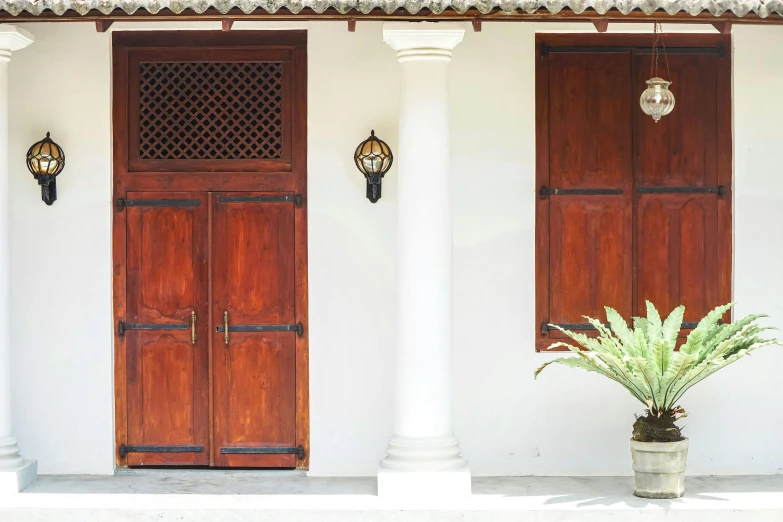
{"x":643,"y":359}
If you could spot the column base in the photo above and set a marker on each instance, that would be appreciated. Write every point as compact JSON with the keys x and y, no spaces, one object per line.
{"x":423,"y":467}
{"x":394,"y":483}
{"x":14,"y":480}
{"x":423,"y":454}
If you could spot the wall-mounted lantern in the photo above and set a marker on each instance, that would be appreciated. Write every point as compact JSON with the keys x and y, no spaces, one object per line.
{"x":373,"y":158}
{"x":46,"y":160}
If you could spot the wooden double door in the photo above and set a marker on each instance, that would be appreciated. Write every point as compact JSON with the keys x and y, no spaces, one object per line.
{"x":210,"y":329}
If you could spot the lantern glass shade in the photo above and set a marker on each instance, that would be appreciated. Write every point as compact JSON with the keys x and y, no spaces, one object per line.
{"x":657,"y":100}
{"x":373,"y":157}
{"x":45,"y":158}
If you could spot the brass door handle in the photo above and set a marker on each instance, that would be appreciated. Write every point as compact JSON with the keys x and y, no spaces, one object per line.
{"x":225,"y":326}
{"x":193,"y":327}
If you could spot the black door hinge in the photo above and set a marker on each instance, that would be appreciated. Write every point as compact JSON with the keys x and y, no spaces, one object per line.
{"x":264,"y":450}
{"x":295,"y":199}
{"x":124,"y":450}
{"x":298,"y":328}
{"x":122,"y":327}
{"x":122,"y":203}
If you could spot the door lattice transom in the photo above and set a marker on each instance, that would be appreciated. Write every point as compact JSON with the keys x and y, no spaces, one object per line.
{"x":210,"y":110}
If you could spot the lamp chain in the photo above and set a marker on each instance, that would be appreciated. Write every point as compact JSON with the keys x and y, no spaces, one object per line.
{"x":654,"y":62}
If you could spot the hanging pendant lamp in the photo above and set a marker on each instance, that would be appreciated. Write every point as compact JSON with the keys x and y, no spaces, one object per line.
{"x":657,"y":100}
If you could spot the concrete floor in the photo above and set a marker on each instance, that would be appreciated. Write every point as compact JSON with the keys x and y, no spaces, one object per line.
{"x":242,"y":496}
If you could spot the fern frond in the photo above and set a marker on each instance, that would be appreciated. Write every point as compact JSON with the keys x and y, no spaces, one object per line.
{"x":644,"y":360}
{"x":621,"y":330}
{"x":587,"y":342}
{"x":672,"y":326}
{"x":654,"y":325}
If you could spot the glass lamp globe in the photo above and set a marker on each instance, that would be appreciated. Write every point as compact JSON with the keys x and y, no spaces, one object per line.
{"x":657,"y":100}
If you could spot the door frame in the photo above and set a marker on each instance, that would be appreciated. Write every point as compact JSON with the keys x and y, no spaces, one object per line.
{"x":292,"y":44}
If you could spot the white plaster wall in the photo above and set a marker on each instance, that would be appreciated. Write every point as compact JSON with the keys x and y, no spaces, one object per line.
{"x":565,"y":423}
{"x":61,"y":314}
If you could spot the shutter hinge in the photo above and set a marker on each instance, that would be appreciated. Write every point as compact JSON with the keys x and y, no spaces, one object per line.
{"x":545,"y":192}
{"x":545,"y":327}
{"x":298,"y":200}
{"x":720,"y":190}
{"x":120,"y":204}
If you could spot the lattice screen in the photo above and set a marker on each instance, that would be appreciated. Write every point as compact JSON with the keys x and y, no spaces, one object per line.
{"x":210,"y":110}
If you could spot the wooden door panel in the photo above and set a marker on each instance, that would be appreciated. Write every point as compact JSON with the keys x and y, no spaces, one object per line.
{"x":257,"y":242}
{"x":677,"y":253}
{"x":168,"y":285}
{"x":680,"y":150}
{"x":167,"y":375}
{"x":589,"y":268}
{"x":255,"y":372}
{"x":260,"y":389}
{"x":167,"y":364}
{"x":589,"y":115}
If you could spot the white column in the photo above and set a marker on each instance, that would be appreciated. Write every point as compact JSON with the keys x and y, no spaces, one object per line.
{"x":423,"y":457}
{"x":15,"y":472}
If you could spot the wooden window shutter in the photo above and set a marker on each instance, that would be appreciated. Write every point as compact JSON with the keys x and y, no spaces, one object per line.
{"x":629,"y":210}
{"x":682,"y":199}
{"x":584,"y":210}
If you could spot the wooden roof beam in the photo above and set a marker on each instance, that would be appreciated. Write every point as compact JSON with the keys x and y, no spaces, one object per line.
{"x":601,"y":24}
{"x":103,"y":25}
{"x":722,"y":27}
{"x":476,"y":25}
{"x":352,"y":25}
{"x":226,"y":24}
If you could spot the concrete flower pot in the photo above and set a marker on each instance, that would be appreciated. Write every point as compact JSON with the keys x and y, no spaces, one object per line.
{"x":659,"y":468}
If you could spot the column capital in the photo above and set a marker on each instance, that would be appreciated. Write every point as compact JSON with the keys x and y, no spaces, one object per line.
{"x":423,"y":40}
{"x":13,"y":38}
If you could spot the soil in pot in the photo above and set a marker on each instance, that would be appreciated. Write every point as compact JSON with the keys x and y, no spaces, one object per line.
{"x":651,"y":428}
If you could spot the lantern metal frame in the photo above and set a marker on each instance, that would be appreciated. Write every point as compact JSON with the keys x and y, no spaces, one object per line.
{"x":373,"y":147}
{"x":47,"y":179}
